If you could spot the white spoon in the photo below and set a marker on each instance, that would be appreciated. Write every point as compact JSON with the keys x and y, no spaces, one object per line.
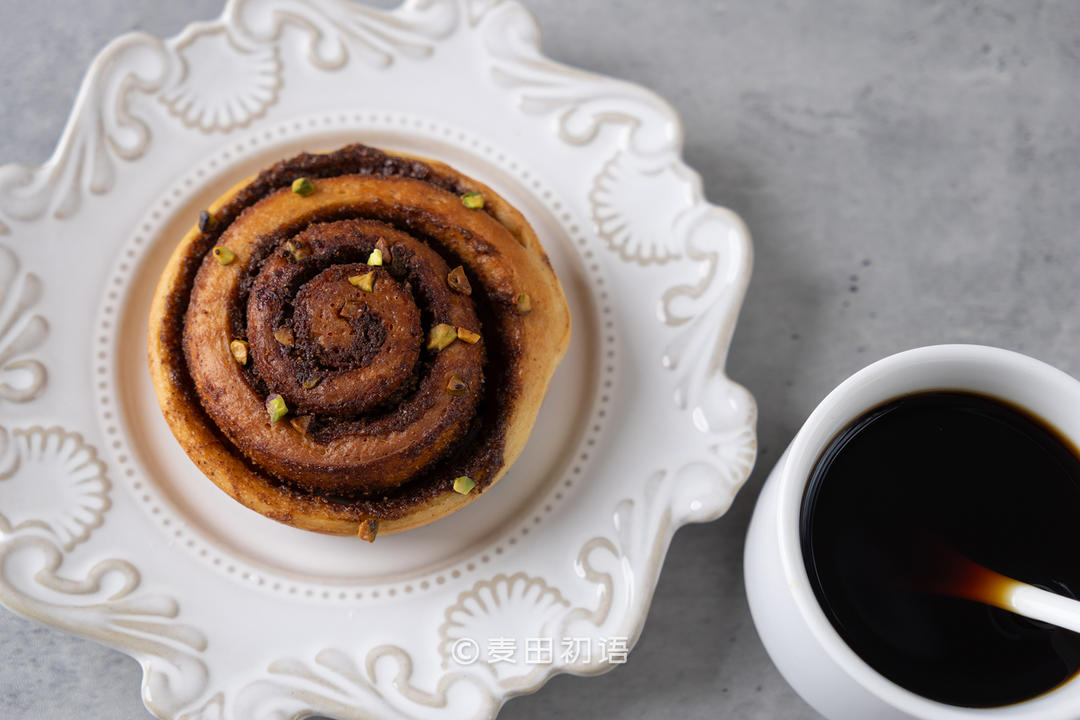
{"x":950,"y":573}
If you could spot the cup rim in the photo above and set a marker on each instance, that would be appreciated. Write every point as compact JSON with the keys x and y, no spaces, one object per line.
{"x":795,"y":474}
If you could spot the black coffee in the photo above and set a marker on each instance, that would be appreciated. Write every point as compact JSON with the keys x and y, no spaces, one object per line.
{"x":969,"y":474}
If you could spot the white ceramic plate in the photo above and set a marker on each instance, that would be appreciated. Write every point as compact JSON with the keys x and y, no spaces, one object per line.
{"x":110,"y":532}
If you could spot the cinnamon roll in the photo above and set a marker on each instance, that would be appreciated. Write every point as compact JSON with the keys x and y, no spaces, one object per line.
{"x":356,"y":342}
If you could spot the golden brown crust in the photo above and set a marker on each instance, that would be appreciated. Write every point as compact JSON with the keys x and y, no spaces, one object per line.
{"x":517,"y":265}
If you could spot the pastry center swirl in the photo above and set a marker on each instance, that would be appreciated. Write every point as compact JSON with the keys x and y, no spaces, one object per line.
{"x":345,"y":327}
{"x":344,"y":343}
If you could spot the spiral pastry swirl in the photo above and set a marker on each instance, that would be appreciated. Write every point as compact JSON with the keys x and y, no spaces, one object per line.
{"x":356,"y":342}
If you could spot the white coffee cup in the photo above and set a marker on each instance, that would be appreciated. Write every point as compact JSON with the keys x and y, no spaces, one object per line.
{"x":798,"y":637}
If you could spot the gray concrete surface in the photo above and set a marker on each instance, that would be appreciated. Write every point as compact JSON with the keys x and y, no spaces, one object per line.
{"x":910,"y":172}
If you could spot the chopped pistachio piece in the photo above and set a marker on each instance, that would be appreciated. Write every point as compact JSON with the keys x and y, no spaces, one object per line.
{"x":239,"y":350}
{"x":472,"y":200}
{"x":365,"y":282}
{"x":464,"y":484}
{"x":297,"y":252}
{"x":375,"y":258}
{"x":275,"y":405}
{"x":457,"y":386}
{"x":303,"y":187}
{"x":368,"y":529}
{"x":524,"y":304}
{"x":466,"y":335}
{"x":440,"y":336}
{"x":224,"y":255}
{"x":310,"y":382}
{"x":284,"y":336}
{"x":382,"y":247}
{"x":351,"y":309}
{"x":206,"y":221}
{"x":458,"y":282}
{"x":300,"y":423}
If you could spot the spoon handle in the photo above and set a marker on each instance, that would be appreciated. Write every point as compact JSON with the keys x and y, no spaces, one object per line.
{"x":1038,"y":604}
